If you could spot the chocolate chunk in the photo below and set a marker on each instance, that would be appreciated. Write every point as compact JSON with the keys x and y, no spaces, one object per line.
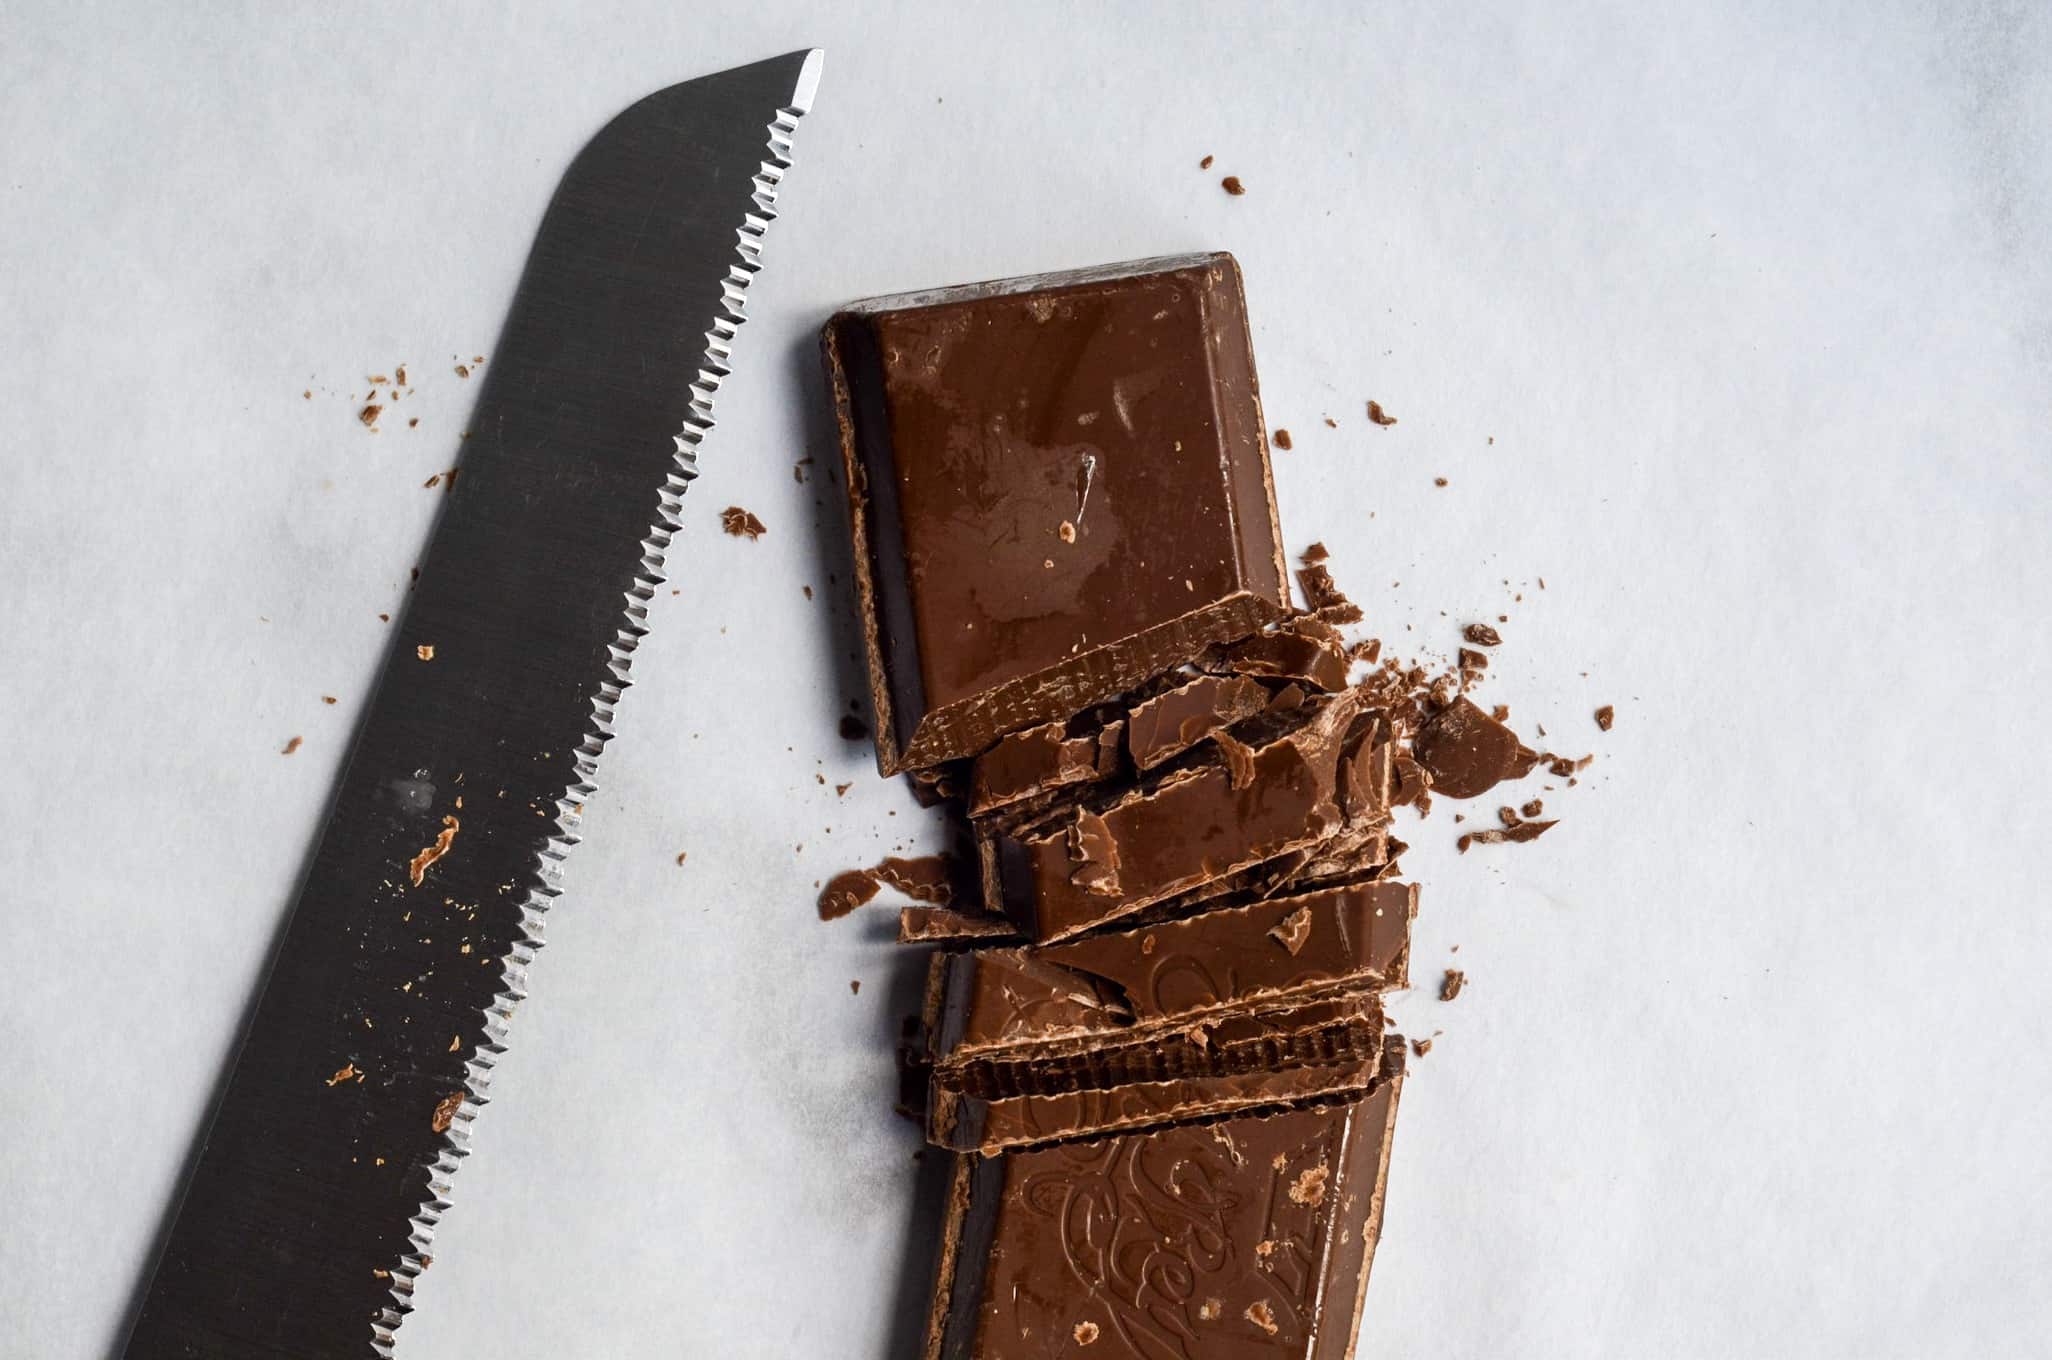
{"x":1354,"y":937}
{"x":1039,"y":1243}
{"x":1169,"y":724}
{"x":1325,"y":598}
{"x":968,"y":1123}
{"x":975,"y":421}
{"x":1189,"y":827}
{"x":1303,"y":648}
{"x":1482,"y":635}
{"x":1472,"y":660}
{"x":1605,"y":716}
{"x":1450,"y":985}
{"x":1038,"y":760}
{"x":1466,"y":751}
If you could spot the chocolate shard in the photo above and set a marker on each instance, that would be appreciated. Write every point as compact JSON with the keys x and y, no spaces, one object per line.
{"x":1058,"y":487}
{"x":1468,"y":752}
{"x":1355,"y":937}
{"x":1328,"y":604}
{"x":1272,"y":1261}
{"x":1169,"y":724}
{"x":1302,"y":648}
{"x":1186,"y":829}
{"x":1039,"y":760}
{"x":944,"y":925}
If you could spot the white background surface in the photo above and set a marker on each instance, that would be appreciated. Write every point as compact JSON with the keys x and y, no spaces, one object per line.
{"x":1753,"y":300}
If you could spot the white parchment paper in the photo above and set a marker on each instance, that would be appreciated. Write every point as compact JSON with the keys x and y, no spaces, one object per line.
{"x":1730,"y":321}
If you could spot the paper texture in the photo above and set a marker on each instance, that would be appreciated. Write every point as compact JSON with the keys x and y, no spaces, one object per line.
{"x":1731,"y":324}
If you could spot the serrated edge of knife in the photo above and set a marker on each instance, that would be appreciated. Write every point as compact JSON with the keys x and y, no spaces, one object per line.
{"x":655,"y":545}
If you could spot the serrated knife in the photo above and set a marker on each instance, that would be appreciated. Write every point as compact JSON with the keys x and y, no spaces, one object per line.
{"x":326,"y":1163}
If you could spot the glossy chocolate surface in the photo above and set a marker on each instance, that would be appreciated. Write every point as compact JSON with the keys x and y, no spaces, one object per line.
{"x":1059,"y":487}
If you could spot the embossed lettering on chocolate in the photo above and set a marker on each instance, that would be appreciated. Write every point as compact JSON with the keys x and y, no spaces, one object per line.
{"x":1059,"y":486}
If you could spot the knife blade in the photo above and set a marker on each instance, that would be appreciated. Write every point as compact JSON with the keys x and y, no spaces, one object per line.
{"x":326,"y":1162}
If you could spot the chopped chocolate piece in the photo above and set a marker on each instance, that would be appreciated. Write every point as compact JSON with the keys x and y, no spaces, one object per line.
{"x":1467,"y":751}
{"x":1352,"y":937}
{"x":846,"y":891}
{"x":1171,"y":723}
{"x":1231,"y":184}
{"x":1038,"y":1243}
{"x":1450,"y":985}
{"x":1472,"y":660}
{"x":1204,"y":164}
{"x":1421,"y":1046}
{"x":1026,"y":764}
{"x":1378,"y":415}
{"x":1523,"y":831}
{"x":1482,"y":635}
{"x":939,"y":925}
{"x":1303,"y":648}
{"x":1282,"y":440}
{"x":1324,"y":598}
{"x":1532,"y":809}
{"x":975,"y":421}
{"x":741,"y":524}
{"x":1605,"y":716}
{"x":968,"y":1123}
{"x":1190,"y":827}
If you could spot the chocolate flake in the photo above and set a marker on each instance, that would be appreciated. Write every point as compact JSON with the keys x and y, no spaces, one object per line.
{"x":348,"y":1072}
{"x":445,"y":1112}
{"x":1380,"y":416}
{"x":741,"y":524}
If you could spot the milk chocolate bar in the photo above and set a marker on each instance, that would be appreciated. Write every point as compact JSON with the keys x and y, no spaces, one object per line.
{"x":1058,"y":486}
{"x":1243,"y":1238}
{"x":1078,"y":993}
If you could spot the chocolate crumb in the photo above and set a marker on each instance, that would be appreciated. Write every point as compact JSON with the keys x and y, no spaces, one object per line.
{"x":1532,"y":809}
{"x":1380,"y":416}
{"x":369,"y":415}
{"x":852,"y":728}
{"x":462,"y":371}
{"x":445,"y":1113}
{"x":1500,"y":713}
{"x":807,"y":590}
{"x":1259,"y":1313}
{"x":1066,"y":532}
{"x":1450,"y":985}
{"x":1439,"y":481}
{"x":417,"y":868}
{"x":1310,"y":1186}
{"x":1605,"y":716}
{"x":377,"y":380}
{"x":1204,"y":164}
{"x":1517,"y":834}
{"x":741,"y":524}
{"x":290,"y":747}
{"x":1482,"y":635}
{"x":681,"y":856}
{"x":1293,"y":930}
{"x":1209,"y":1310}
{"x":399,"y":375}
{"x":1331,"y":424}
{"x":1086,"y":1332}
{"x":1315,"y":554}
{"x":327,"y":698}
{"x":1421,"y":1046}
{"x":1231,"y":184}
{"x":841,"y":790}
{"x":1282,"y":440}
{"x":1472,"y":660}
{"x":426,"y":651}
{"x":413,"y":423}
{"x":348,"y":1073}
{"x":855,"y":986}
{"x":384,"y":618}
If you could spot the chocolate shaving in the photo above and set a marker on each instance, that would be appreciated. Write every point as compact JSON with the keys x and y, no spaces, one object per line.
{"x":1523,"y":831}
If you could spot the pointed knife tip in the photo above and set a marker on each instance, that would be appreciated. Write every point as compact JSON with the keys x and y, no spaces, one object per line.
{"x":808,"y":79}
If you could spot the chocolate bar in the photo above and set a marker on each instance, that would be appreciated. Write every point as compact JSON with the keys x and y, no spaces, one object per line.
{"x":1058,"y":487}
{"x":1249,"y":1236}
